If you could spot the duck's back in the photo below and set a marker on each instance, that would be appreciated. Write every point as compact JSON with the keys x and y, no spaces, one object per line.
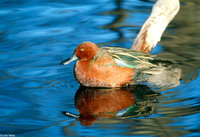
{"x":126,"y":57}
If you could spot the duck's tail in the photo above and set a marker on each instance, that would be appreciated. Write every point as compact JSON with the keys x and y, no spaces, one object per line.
{"x":162,"y":13}
{"x":158,"y":73}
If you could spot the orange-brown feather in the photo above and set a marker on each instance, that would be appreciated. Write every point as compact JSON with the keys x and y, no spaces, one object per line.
{"x":86,"y":50}
{"x":103,"y":72}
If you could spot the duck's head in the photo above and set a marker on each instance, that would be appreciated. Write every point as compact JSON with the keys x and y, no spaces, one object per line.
{"x":85,"y":50}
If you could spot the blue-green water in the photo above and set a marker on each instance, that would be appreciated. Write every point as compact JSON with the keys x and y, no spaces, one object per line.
{"x":35,"y":36}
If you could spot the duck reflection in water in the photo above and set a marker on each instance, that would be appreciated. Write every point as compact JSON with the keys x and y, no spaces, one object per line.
{"x":95,"y":103}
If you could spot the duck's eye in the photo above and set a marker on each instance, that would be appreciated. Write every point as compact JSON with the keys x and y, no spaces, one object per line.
{"x":82,"y":49}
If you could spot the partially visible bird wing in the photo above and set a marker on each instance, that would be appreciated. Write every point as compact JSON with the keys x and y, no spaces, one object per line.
{"x":128,"y":58}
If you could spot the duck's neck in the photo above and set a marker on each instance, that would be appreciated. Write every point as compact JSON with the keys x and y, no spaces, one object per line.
{"x":162,"y":13}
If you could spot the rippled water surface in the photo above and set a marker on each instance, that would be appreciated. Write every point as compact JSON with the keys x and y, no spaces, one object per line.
{"x":35,"y":36}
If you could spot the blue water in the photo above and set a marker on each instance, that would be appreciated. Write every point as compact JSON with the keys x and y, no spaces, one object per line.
{"x":34,"y":89}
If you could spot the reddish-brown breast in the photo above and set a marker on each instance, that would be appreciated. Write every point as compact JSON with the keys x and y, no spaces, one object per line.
{"x":102,"y":72}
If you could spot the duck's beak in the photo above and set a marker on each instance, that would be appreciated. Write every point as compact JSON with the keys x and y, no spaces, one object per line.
{"x":68,"y":114}
{"x":69,"y":60}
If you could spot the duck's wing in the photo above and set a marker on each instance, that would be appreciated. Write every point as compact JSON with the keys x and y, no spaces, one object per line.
{"x":128,"y":58}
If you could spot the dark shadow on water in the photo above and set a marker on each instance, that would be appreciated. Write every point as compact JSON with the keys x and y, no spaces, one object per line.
{"x":95,"y":103}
